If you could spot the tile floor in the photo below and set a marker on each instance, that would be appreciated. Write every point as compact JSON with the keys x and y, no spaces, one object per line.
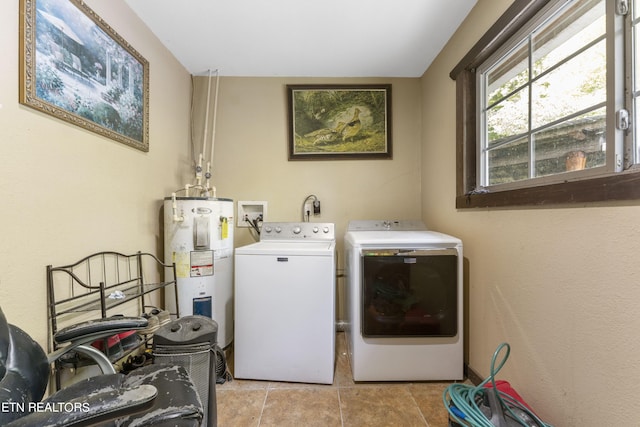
{"x":243,"y":403}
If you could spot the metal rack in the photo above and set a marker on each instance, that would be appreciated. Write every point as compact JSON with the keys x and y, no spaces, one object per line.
{"x":97,"y":285}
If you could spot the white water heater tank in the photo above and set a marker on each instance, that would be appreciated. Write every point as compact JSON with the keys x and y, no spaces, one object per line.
{"x":198,"y":238}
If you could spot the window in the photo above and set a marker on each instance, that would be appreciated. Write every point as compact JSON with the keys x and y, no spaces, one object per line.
{"x":541,"y":109}
{"x":633,"y":71}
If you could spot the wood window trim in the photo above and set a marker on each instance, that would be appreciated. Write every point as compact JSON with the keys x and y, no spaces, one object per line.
{"x":618,"y":186}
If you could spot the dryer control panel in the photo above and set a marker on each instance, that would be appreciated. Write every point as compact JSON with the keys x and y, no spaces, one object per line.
{"x":298,"y":231}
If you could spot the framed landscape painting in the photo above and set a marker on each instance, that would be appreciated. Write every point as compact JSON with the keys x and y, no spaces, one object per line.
{"x":339,"y":122}
{"x":75,"y":67}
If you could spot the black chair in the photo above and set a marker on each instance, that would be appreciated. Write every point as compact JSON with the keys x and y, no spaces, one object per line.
{"x":153,"y":395}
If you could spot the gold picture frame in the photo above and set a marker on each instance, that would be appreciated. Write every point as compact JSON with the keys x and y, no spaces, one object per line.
{"x":328,"y":122}
{"x":75,"y":67}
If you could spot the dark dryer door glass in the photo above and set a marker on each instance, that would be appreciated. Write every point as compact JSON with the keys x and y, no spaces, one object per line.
{"x":410,"y":293}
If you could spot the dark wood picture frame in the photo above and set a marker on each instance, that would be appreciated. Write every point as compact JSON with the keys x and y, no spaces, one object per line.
{"x":328,"y":122}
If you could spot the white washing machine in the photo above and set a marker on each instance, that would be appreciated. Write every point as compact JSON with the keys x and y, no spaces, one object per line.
{"x":285,"y":304}
{"x":404,"y":302}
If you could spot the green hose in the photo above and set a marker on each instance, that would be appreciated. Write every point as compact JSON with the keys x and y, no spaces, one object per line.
{"x":463,"y":400}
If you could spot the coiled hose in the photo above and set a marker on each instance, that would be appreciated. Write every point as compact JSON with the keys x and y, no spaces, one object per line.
{"x":463,"y":400}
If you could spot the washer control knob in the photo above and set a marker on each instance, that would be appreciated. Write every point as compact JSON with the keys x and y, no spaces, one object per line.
{"x":268,"y":229}
{"x":316,"y":229}
{"x":278,"y":229}
{"x":297,"y":229}
{"x":325,"y":230}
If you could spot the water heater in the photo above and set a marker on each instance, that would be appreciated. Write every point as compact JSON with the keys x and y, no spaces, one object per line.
{"x":198,"y":238}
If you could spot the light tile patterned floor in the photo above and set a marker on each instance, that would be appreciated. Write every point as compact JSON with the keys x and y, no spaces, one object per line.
{"x":344,"y":404}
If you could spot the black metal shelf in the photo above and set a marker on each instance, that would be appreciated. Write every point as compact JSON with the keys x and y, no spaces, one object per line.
{"x":96,"y":285}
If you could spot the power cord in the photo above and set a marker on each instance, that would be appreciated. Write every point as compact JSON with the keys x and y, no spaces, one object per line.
{"x":463,"y":401}
{"x":306,"y":216}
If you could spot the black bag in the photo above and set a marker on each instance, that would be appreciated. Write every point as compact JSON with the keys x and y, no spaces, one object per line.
{"x":222,"y":371}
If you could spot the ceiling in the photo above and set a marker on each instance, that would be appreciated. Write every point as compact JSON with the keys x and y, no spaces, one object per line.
{"x":304,"y":38}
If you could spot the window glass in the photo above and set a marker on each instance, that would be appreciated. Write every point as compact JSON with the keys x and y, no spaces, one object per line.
{"x":509,"y":162}
{"x":510,"y":73}
{"x":571,"y":145}
{"x":508,"y":117}
{"x":543,"y":103}
{"x":580,"y":25}
{"x":576,"y":85}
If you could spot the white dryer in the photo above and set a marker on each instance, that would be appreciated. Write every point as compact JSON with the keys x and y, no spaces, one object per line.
{"x":285,"y":304}
{"x":404,"y":302}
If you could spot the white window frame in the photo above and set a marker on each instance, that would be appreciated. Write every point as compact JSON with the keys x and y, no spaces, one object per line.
{"x":632,"y":140}
{"x":614,"y":101}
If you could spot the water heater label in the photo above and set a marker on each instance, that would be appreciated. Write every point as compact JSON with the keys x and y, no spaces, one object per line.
{"x":201,"y":263}
{"x":181,"y":259}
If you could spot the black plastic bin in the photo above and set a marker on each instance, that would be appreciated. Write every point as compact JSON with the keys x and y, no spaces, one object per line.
{"x":190,"y":342}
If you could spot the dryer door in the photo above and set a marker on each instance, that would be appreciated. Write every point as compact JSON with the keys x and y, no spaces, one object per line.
{"x":410,"y":293}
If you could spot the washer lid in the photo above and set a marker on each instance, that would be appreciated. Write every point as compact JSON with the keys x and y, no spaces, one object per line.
{"x":405,"y":238}
{"x":288,"y":248}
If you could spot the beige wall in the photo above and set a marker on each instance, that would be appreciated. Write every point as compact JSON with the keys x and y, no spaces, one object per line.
{"x":67,"y":192}
{"x":250,"y":161}
{"x":558,"y":283}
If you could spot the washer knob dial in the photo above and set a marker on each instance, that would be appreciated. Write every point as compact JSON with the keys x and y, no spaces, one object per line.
{"x":268,"y":229}
{"x":297,"y":229}
{"x":316,"y":229}
{"x":325,"y":230}
{"x":278,"y":229}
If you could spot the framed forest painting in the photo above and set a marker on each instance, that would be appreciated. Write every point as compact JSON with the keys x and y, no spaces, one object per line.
{"x":339,"y":122}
